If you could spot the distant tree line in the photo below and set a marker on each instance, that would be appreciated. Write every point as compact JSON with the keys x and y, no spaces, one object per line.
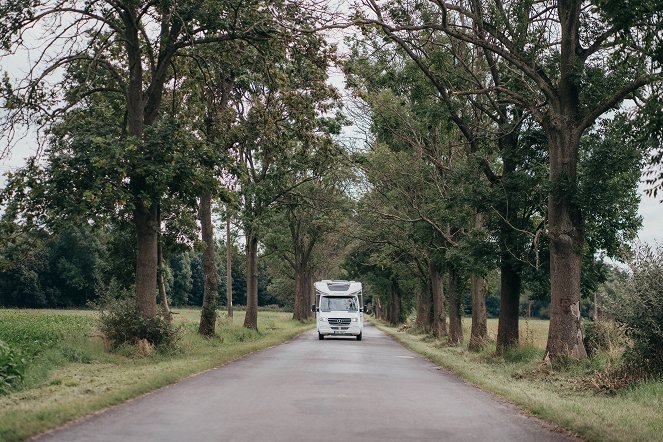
{"x":75,"y":266}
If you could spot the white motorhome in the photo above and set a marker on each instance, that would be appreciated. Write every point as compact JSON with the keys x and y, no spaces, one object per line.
{"x":339,"y":308}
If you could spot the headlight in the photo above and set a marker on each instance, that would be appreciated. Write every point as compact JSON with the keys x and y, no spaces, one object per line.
{"x":323,"y":319}
{"x":355,"y":319}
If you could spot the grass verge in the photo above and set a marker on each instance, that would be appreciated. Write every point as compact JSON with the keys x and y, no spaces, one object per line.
{"x":558,"y":394}
{"x":70,"y":375}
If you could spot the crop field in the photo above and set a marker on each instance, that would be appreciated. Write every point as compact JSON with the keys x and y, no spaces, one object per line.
{"x":34,"y":331}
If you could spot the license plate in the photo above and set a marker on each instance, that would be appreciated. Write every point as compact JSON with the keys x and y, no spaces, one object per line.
{"x":339,"y":332}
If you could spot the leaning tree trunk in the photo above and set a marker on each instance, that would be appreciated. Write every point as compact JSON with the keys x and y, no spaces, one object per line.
{"x":229,"y":270}
{"x":479,"y":332}
{"x":566,"y":239}
{"x":439,"y":311}
{"x":251,"y":318}
{"x":163,"y":296}
{"x":211,"y":285}
{"x":455,"y":319}
{"x":377,"y":307}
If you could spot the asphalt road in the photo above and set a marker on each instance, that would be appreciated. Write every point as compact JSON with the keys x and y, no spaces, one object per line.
{"x":309,"y":390}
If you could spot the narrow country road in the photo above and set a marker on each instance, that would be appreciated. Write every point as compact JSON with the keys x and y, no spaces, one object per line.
{"x":310,"y":390}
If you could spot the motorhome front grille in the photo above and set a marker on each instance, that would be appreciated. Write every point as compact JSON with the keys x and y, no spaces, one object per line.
{"x":339,"y":321}
{"x":340,"y":328}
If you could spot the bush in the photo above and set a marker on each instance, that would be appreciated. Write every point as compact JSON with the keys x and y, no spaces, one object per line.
{"x":121,"y":323}
{"x":12,"y":367}
{"x":639,"y":307}
{"x":603,"y":336}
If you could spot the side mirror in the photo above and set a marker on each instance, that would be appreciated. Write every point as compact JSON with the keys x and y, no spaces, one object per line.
{"x":313,"y":309}
{"x":361,"y":309}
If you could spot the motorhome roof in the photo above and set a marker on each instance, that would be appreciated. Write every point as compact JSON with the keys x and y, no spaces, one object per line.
{"x":338,"y":287}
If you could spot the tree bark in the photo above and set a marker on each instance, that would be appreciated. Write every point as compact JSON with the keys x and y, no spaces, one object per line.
{"x":311,"y":292}
{"x":455,"y":318}
{"x":145,"y":214}
{"x":297,"y":310}
{"x":479,"y":331}
{"x":145,"y":221}
{"x":394,"y":305}
{"x":229,"y":270}
{"x":563,"y":127}
{"x":306,"y":295}
{"x":566,"y":238}
{"x":251,"y":318}
{"x":207,"y":325}
{"x":511,"y":244}
{"x":439,"y":310}
{"x":423,"y":306}
{"x":510,"y":286}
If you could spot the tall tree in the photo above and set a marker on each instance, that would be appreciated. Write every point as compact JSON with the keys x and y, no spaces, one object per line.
{"x":302,"y":222}
{"x":131,"y":45}
{"x":580,"y":60}
{"x":279,"y":133}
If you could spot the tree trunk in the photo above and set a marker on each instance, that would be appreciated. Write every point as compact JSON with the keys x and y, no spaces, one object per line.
{"x":306,"y":295}
{"x":423,"y":306}
{"x":564,"y":129}
{"x":145,"y":221}
{"x":144,"y":216}
{"x":303,"y":285}
{"x":479,"y":332}
{"x":251,"y":318}
{"x":395,"y":305}
{"x":297,"y":310}
{"x":229,"y":270}
{"x":311,"y":292}
{"x":511,"y":242}
{"x":439,"y":311}
{"x":565,"y":233}
{"x":510,"y":286}
{"x":207,"y":325}
{"x":168,"y":316}
{"x":455,"y":318}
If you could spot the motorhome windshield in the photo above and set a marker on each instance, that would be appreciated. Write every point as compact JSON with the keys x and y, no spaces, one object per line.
{"x":338,"y":303}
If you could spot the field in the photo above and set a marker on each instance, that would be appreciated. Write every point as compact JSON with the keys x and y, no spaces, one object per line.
{"x":70,"y":374}
{"x":560,"y":395}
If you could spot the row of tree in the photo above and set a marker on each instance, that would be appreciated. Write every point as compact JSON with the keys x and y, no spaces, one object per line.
{"x":501,"y":135}
{"x":153,"y":111}
{"x":520,"y":153}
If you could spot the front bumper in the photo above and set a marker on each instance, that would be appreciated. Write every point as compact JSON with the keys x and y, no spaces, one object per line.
{"x":340,"y":330}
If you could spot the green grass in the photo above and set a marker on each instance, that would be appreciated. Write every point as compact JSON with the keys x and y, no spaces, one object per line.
{"x":70,"y":375}
{"x":557,"y":395}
